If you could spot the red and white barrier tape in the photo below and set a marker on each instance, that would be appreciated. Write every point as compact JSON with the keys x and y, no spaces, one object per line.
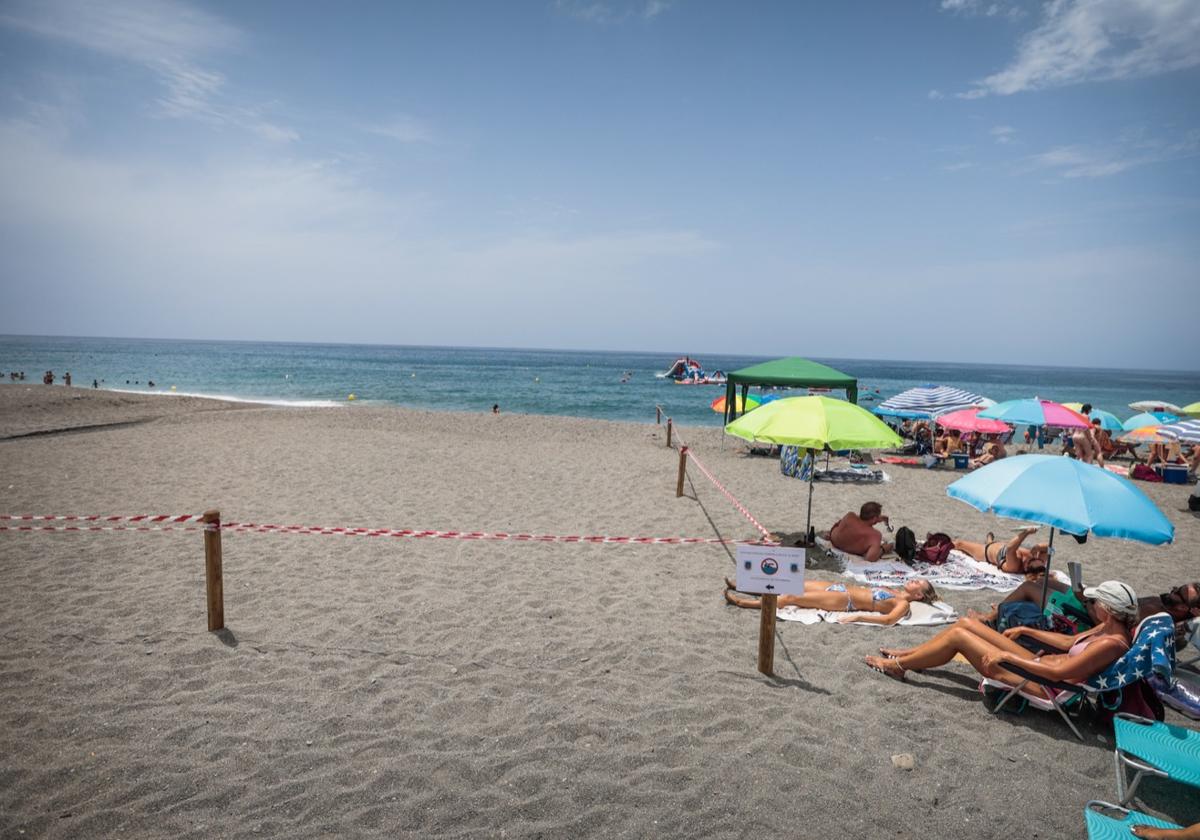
{"x":699,"y":465}
{"x":166,"y":523}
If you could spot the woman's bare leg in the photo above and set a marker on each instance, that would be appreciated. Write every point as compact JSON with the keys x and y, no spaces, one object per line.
{"x":974,"y":549}
{"x":942,"y":648}
{"x":833,"y":601}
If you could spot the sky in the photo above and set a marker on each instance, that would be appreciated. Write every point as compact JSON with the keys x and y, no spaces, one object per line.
{"x":961,"y":180}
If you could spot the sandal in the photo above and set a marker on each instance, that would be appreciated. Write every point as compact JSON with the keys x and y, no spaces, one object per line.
{"x":883,"y":669}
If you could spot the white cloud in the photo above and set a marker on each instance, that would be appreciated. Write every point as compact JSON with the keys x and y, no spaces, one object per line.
{"x":1133,"y":150}
{"x":957,"y":167}
{"x":168,"y":38}
{"x":1097,"y":40}
{"x":613,"y":11}
{"x":1003,"y":134}
{"x":305,"y":247}
{"x":936,"y":94}
{"x":977,"y":7}
{"x":403,"y":128}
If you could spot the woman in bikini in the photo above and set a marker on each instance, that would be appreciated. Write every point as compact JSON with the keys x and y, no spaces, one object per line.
{"x":891,"y":603}
{"x":1009,"y":556}
{"x":1112,"y":604}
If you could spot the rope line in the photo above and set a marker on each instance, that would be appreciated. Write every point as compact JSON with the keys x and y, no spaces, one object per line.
{"x":172,"y":523}
{"x":703,"y":469}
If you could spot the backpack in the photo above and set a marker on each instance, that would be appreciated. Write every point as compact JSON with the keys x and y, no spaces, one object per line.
{"x":906,"y":544}
{"x":1144,"y":473}
{"x":936,"y":549}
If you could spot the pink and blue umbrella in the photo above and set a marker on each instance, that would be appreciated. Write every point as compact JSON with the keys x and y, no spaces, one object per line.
{"x":1036,"y":413}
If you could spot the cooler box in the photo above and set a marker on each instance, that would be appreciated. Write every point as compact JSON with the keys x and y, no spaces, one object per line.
{"x":1175,"y":474}
{"x":960,"y":460}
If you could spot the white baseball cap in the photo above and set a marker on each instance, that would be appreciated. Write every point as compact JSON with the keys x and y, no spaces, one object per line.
{"x":1118,"y":598}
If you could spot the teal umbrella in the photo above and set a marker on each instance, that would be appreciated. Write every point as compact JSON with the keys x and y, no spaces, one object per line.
{"x":1148,"y":418}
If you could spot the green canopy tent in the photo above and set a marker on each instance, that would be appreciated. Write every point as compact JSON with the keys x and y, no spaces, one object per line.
{"x":794,"y":372}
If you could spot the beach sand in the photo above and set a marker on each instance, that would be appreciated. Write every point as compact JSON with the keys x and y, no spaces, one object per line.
{"x":453,"y":688}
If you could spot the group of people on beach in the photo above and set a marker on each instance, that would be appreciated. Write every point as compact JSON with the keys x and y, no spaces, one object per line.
{"x":1092,"y":445}
{"x":1113,"y":610}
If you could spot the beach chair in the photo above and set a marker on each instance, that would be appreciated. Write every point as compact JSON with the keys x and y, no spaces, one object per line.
{"x":1152,"y":652}
{"x":1154,"y":749}
{"x":1103,"y":827}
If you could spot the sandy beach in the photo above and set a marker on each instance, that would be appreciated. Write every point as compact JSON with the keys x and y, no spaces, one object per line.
{"x":456,"y":688}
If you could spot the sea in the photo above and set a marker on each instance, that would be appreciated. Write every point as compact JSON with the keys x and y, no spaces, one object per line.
{"x":577,"y":383}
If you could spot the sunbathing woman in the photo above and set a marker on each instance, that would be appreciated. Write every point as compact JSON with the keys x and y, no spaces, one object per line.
{"x":1009,"y":556}
{"x":1112,"y":604}
{"x":890,"y":602}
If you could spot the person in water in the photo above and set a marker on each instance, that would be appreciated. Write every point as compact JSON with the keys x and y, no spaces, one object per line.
{"x":1011,"y":556}
{"x":1112,"y":605}
{"x":890,"y":603}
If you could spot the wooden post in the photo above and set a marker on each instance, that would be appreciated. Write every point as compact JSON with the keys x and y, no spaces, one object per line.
{"x":682,"y":471}
{"x":658,"y":415}
{"x":212,"y":570}
{"x":766,"y":635}
{"x":668,"y":433}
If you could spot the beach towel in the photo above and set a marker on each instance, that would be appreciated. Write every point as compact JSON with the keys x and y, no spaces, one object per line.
{"x":857,"y":474}
{"x":958,"y":572}
{"x":919,"y":615}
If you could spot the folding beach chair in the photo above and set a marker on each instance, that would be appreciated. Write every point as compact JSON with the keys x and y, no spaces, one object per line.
{"x":1100,"y":826}
{"x":1154,"y":749}
{"x":1152,"y":652}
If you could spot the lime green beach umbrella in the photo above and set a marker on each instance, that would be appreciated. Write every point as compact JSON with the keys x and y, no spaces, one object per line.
{"x":1192,"y":410}
{"x":814,"y":423}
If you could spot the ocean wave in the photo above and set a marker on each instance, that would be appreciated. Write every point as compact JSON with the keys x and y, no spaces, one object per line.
{"x":227,"y":398}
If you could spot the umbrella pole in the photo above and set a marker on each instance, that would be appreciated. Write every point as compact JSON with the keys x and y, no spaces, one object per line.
{"x":1046,"y":577}
{"x":808,"y":519}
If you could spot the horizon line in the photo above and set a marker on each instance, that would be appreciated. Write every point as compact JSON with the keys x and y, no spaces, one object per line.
{"x":750,"y":356}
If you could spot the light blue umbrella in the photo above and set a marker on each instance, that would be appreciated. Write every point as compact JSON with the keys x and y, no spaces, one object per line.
{"x":1066,"y":494}
{"x":1108,"y":421}
{"x":1148,"y":418}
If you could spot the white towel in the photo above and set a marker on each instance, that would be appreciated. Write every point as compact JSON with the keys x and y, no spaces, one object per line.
{"x":919,"y":614}
{"x":960,"y":571}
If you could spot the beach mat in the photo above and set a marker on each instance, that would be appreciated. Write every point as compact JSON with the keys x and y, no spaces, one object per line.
{"x":958,"y":572}
{"x":920,"y":615}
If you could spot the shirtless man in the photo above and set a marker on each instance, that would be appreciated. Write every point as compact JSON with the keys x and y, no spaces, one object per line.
{"x":993,"y":450}
{"x":856,"y":534}
{"x":1009,"y":556}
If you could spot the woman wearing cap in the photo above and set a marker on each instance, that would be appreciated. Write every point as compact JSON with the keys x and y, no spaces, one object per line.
{"x":1113,"y":606}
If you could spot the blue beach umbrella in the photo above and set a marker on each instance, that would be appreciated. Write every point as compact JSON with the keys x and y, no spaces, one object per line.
{"x":1148,"y":418}
{"x":1066,"y":494}
{"x":1108,"y":421}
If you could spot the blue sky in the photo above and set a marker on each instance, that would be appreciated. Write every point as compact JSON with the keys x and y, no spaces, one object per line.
{"x":953,"y":179}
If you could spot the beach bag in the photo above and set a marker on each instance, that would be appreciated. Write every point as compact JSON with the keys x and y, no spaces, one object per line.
{"x":1194,"y":499}
{"x":1021,"y":614}
{"x":1144,"y":473}
{"x":906,"y":544}
{"x":936,"y":549}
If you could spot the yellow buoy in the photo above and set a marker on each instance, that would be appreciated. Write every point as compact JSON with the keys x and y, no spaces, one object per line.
{"x":351,"y":398}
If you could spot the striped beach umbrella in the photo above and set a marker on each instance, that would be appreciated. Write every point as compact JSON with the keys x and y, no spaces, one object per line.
{"x":926,"y":401}
{"x":1185,"y":431}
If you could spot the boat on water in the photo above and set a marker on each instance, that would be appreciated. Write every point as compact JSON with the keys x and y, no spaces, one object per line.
{"x":688,"y":371}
